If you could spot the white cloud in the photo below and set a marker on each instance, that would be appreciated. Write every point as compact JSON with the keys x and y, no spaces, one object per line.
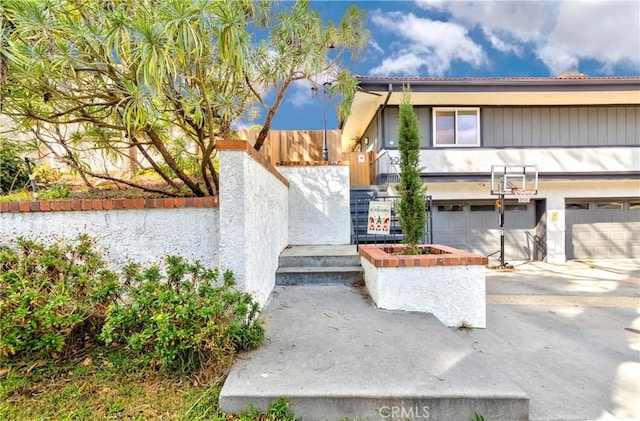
{"x":373,"y":44}
{"x":561,"y":33}
{"x":299,"y":93}
{"x":425,"y":43}
{"x":404,"y":62}
{"x":608,"y":32}
{"x":502,"y":45}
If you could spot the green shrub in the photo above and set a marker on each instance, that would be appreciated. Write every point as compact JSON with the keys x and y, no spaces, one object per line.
{"x":13,"y":170}
{"x":181,"y":319}
{"x":52,"y":298}
{"x":59,"y":191}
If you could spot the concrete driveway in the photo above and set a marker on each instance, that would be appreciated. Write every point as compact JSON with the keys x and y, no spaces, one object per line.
{"x":568,"y":335}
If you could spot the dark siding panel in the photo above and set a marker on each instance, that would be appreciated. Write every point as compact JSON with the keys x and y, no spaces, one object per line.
{"x":583,"y":126}
{"x":602,"y":126}
{"x":391,"y":127}
{"x":536,"y":137}
{"x":612,"y":125}
{"x":498,"y":127}
{"x":621,"y":124}
{"x":545,"y":127}
{"x":424,"y":125}
{"x":507,"y":127}
{"x":526,"y":127}
{"x":574,"y":126}
{"x":554,"y":126}
{"x":564,"y":136}
{"x":592,"y":126}
{"x":517,"y":127}
{"x":633,"y":126}
{"x":486,"y":127}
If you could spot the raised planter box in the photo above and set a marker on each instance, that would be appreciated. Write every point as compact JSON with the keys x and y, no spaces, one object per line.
{"x":447,"y":282}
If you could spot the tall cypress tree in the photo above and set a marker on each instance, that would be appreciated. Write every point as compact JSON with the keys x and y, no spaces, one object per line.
{"x":412,"y":201}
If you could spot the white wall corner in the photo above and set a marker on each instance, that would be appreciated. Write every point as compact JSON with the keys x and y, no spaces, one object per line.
{"x":254,"y":222}
{"x":319,"y":210}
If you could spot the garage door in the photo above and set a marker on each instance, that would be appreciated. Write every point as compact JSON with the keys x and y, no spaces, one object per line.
{"x":602,"y":229}
{"x":475,"y":226}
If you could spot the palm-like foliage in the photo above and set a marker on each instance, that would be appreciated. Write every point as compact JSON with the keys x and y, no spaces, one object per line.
{"x":153,"y":73}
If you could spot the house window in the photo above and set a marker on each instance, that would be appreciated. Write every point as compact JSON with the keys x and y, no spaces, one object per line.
{"x":576,"y":206}
{"x":450,"y":208}
{"x":482,"y":208}
{"x":609,"y":205}
{"x":518,"y":208}
{"x":456,"y":127}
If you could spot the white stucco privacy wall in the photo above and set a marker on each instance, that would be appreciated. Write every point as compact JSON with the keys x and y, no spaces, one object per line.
{"x":134,"y":235}
{"x":253,"y":221}
{"x":318,"y":204}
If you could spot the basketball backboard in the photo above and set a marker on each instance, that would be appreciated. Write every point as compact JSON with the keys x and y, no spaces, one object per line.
{"x":507,"y":179}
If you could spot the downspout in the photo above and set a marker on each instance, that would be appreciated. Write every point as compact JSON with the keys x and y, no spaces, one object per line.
{"x":382,"y":145}
{"x":384,"y":104}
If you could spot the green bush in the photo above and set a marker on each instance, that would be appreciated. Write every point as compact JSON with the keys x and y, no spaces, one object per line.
{"x":59,"y":191}
{"x":181,"y":319}
{"x":13,"y":170}
{"x":52,"y":298}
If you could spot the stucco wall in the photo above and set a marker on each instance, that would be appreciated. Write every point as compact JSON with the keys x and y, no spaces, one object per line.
{"x":554,"y":160}
{"x":136,"y":235}
{"x":318,"y":204}
{"x":451,"y":293}
{"x":253,"y":221}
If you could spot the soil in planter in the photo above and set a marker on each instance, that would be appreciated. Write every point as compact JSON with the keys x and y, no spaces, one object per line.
{"x":424,"y":250}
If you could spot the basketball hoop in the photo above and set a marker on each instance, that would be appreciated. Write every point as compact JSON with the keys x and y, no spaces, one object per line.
{"x":523,"y":195}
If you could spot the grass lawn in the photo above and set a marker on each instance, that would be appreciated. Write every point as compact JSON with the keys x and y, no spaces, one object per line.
{"x":106,"y":386}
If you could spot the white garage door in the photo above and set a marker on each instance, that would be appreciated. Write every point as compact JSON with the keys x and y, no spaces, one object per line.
{"x":475,"y":226}
{"x":602,"y":229}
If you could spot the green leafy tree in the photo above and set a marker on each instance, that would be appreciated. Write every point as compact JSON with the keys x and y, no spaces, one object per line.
{"x":165,"y":79}
{"x":412,"y":202}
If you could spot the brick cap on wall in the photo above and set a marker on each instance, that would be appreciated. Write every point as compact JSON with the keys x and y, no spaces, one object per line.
{"x":244,"y":146}
{"x":310,"y":163}
{"x":109,"y":204}
{"x":383,"y":256}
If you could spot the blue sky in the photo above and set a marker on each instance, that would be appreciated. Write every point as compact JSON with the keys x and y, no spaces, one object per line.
{"x":479,"y":39}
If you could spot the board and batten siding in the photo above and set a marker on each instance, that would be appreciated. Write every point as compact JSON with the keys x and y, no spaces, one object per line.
{"x":531,"y":127}
{"x":391,"y":126}
{"x":560,"y":126}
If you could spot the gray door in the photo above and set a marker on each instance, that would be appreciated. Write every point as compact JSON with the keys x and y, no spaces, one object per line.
{"x":602,"y":229}
{"x":475,"y":226}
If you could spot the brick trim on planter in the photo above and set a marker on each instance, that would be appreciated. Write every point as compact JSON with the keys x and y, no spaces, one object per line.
{"x":108,"y":204}
{"x":382,"y":256}
{"x":310,"y":163}
{"x":244,"y":146}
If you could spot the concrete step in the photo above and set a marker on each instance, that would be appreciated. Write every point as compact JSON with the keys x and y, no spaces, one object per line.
{"x":319,"y":256}
{"x":333,"y":356}
{"x":300,"y":275}
{"x":319,"y":261}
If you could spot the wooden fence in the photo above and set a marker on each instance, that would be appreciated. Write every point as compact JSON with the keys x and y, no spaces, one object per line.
{"x":297,"y":145}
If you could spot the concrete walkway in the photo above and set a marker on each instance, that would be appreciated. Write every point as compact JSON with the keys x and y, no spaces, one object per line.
{"x":333,"y":355}
{"x":565,"y":336}
{"x":568,"y":335}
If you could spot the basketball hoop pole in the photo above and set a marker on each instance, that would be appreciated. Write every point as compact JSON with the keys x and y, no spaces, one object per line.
{"x":502,"y":230}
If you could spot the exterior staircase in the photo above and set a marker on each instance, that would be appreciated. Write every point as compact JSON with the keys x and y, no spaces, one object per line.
{"x":330,"y":264}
